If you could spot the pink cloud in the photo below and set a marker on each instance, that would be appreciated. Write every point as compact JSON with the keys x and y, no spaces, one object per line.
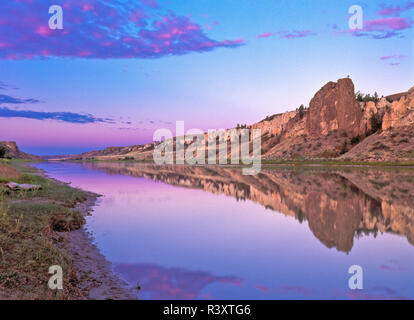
{"x":394,"y":266}
{"x":101,"y":29}
{"x":263,"y":288}
{"x":382,"y":28}
{"x":212,"y":25}
{"x":294,"y":290}
{"x":150,"y":3}
{"x":394,"y":23}
{"x":265,"y":35}
{"x":161,"y":283}
{"x":43,"y":31}
{"x":397,"y":10}
{"x":296,"y":34}
{"x":394,"y":56}
{"x":376,"y":293}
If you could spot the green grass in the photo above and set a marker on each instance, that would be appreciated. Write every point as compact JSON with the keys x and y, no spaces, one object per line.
{"x":29,"y":244}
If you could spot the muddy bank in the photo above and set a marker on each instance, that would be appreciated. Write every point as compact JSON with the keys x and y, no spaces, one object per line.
{"x":97,"y":280}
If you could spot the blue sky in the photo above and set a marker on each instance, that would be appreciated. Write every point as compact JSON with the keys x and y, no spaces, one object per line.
{"x":232,"y":62}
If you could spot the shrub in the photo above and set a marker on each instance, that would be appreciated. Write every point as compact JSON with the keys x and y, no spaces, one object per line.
{"x":376,"y":122}
{"x":2,"y":151}
{"x":379,"y":146}
{"x":301,"y":111}
{"x":355,"y":140}
{"x":367,"y":97}
{"x":344,"y":147}
{"x":67,"y":221}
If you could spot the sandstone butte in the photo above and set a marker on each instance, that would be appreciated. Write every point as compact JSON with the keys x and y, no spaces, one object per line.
{"x":335,"y":126}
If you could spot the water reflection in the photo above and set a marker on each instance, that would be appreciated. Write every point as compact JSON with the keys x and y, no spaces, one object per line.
{"x":337,"y":204}
{"x":209,"y":232}
{"x":162,"y":283}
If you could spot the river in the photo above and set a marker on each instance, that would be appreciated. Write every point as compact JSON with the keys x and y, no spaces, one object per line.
{"x":181,"y":232}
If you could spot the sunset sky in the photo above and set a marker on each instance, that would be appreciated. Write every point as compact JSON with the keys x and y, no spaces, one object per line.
{"x":119,"y":70}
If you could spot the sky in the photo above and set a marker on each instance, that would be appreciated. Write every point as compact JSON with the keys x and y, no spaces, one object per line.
{"x":119,"y":70}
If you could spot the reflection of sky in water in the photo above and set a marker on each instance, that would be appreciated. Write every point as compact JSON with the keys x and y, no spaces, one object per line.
{"x":182,"y":243}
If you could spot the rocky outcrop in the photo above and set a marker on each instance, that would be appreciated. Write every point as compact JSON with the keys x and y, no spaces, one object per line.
{"x":326,"y":129}
{"x":274,"y":125}
{"x":401,"y":112}
{"x":395,"y":141}
{"x":334,"y":107}
{"x":13,"y":151}
{"x":373,"y":113}
{"x":369,"y":110}
{"x":335,"y":126}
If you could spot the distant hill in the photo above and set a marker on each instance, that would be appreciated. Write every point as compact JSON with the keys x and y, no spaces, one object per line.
{"x":11,"y":150}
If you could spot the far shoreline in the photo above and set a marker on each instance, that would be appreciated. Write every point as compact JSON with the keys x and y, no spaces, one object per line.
{"x":329,"y":163}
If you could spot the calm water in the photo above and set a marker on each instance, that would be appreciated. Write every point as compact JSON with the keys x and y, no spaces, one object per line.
{"x":211,"y":233}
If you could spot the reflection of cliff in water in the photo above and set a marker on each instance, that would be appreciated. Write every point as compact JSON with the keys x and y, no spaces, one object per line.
{"x":337,"y":204}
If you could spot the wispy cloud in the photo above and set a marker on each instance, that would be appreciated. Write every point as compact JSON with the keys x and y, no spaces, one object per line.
{"x":397,"y":10}
{"x":393,"y":60}
{"x":381,"y":28}
{"x":294,"y":290}
{"x":12,"y":100}
{"x":393,"y":266}
{"x":265,"y":35}
{"x":387,"y":24}
{"x":101,"y":29}
{"x":394,"y":56}
{"x":288,"y":34}
{"x":60,"y":116}
{"x":5,"y":86}
{"x":296,"y":34}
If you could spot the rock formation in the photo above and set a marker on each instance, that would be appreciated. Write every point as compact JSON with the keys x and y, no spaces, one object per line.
{"x":274,"y":125}
{"x":334,"y":107}
{"x":13,"y":151}
{"x":335,"y":126}
{"x":401,"y":112}
{"x":394,"y":142}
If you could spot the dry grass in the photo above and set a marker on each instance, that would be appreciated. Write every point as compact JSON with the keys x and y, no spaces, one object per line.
{"x":29,"y":243}
{"x":8,"y":172}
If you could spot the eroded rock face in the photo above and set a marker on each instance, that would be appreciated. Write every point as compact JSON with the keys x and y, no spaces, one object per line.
{"x":401,"y":112}
{"x":369,"y":110}
{"x":13,"y":151}
{"x":336,"y":125}
{"x":275,"y":124}
{"x":334,"y":107}
{"x":11,"y":145}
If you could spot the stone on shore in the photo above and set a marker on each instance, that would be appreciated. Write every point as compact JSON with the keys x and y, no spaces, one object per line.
{"x":27,"y":187}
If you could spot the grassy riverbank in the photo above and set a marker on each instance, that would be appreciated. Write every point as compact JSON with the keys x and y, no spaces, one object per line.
{"x":29,"y":239}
